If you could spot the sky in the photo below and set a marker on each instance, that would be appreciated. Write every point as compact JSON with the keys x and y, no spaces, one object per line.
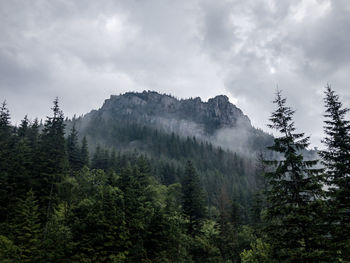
{"x":84,"y":51}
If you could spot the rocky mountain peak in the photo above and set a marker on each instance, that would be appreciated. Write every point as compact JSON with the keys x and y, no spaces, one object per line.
{"x":151,"y":106}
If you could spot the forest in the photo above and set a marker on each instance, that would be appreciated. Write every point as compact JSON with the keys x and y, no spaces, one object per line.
{"x":64,"y":198}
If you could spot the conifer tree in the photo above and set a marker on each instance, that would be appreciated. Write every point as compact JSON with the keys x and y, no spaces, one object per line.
{"x":294,"y":207}
{"x":33,"y":135}
{"x":26,"y":228}
{"x":23,"y":127}
{"x":5,"y":161}
{"x":336,"y":158}
{"x":53,"y":160}
{"x":193,"y":199}
{"x":73,"y":150}
{"x":84,"y":152}
{"x":96,"y":162}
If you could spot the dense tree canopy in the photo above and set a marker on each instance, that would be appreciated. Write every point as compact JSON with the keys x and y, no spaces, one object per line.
{"x":66,"y":198}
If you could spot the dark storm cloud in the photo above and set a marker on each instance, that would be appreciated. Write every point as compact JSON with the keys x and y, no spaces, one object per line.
{"x":91,"y":49}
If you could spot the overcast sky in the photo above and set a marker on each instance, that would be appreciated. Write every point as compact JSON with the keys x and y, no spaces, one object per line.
{"x":84,"y":51}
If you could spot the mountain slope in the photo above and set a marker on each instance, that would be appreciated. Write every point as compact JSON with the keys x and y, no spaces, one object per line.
{"x":216,"y":121}
{"x":215,"y":135}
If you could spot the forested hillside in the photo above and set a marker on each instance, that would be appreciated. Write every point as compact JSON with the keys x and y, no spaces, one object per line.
{"x":169,"y":200}
{"x":119,"y":190}
{"x":216,"y":121}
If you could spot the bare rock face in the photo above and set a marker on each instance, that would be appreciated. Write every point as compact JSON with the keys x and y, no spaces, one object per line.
{"x":150,"y":107}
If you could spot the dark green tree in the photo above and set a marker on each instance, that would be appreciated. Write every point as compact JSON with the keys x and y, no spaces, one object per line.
{"x":23,"y":127}
{"x":193,"y":199}
{"x":6,"y":162}
{"x":97,"y":158}
{"x":293,"y":216}
{"x":53,"y":160}
{"x":84,"y":152}
{"x":336,"y":158}
{"x":73,"y":150}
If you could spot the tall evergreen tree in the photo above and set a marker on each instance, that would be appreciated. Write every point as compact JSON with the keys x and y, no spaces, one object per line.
{"x":6,"y":162}
{"x":26,"y":228}
{"x":336,"y":158}
{"x":193,"y":199}
{"x":23,"y":127}
{"x":96,"y":162}
{"x":73,"y":150}
{"x":294,"y":207}
{"x":84,"y":152}
{"x":53,"y":160}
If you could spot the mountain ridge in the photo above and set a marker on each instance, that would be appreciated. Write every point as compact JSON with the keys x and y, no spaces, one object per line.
{"x":214,"y":114}
{"x":217,"y":120}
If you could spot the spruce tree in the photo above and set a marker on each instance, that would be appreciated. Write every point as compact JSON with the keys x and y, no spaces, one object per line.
{"x":84,"y":152}
{"x":26,"y":228}
{"x":73,"y":150}
{"x":336,"y":158}
{"x":96,"y":162}
{"x":293,"y":221}
{"x":23,"y":128}
{"x":6,"y":185}
{"x":193,"y":199}
{"x":53,"y":160}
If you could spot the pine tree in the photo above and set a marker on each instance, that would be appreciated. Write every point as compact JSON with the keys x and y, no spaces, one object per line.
{"x":336,"y":158}
{"x":193,"y":199}
{"x":293,"y":221}
{"x":73,"y":150}
{"x":6,"y":186}
{"x":84,"y":153}
{"x":26,"y":228}
{"x":33,"y":134}
{"x":96,"y":162}
{"x":53,"y":160}
{"x":23,"y":128}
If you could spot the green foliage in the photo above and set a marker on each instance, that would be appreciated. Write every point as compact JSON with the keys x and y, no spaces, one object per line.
{"x":129,"y":206}
{"x":74,"y":153}
{"x":203,"y":247}
{"x":57,"y":243}
{"x":336,"y":158}
{"x":84,"y":153}
{"x":53,"y":161}
{"x":9,"y":253}
{"x":169,"y":154}
{"x":193,"y":199}
{"x":295,"y":208}
{"x":26,"y":228}
{"x":260,"y":252}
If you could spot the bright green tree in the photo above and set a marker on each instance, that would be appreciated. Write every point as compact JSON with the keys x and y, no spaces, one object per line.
{"x":26,"y":228}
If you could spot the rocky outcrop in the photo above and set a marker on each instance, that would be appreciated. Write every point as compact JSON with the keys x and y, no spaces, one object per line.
{"x":155,"y":108}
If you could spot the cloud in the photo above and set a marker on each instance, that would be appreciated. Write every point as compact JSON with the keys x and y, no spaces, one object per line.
{"x":83,"y":51}
{"x":298,"y":46}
